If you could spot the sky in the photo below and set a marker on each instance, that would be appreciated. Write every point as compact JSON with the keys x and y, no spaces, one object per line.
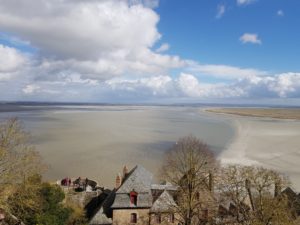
{"x":150,"y":51}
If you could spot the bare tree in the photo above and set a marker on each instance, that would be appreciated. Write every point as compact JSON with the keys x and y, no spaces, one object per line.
{"x":190,"y":165}
{"x":256,"y":194}
{"x":270,"y":207}
{"x":232,"y":188}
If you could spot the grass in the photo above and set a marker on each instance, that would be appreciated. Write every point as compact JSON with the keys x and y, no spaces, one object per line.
{"x":278,"y":113}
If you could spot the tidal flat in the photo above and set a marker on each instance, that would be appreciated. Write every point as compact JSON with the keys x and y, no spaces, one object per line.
{"x":97,"y":141}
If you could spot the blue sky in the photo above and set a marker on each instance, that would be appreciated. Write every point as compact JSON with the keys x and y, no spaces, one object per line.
{"x":194,"y":32}
{"x":233,"y":51}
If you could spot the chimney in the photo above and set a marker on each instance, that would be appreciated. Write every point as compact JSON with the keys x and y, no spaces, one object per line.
{"x":211,"y":182}
{"x":118,"y":181}
{"x":125,"y":171}
{"x":277,"y":189}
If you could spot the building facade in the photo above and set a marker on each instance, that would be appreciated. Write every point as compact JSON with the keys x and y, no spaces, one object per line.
{"x":137,"y":200}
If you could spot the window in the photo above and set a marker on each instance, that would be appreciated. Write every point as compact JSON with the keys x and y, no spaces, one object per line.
{"x":133,"y":198}
{"x":158,"y":218}
{"x":133,"y":218}
{"x":197,"y":196}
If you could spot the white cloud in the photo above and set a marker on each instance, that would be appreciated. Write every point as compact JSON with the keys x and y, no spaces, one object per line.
{"x":70,"y":87}
{"x":245,"y":2}
{"x":90,"y":50}
{"x":221,"y":9}
{"x":31,"y":89}
{"x":153,"y":86}
{"x":250,"y":38}
{"x":224,"y":71}
{"x":11,"y":59}
{"x":81,"y":29}
{"x":164,"y":47}
{"x":280,"y":13}
{"x":147,"y":3}
{"x":285,"y":85}
{"x":98,"y":39}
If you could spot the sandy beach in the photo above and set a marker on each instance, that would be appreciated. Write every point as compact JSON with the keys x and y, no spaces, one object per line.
{"x":272,"y":143}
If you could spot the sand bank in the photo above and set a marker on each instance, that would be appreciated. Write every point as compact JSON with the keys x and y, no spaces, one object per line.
{"x":272,"y":143}
{"x":277,"y":113}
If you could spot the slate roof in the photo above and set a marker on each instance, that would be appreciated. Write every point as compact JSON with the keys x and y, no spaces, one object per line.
{"x":104,"y":213}
{"x":100,"y":219}
{"x":164,"y":203}
{"x":138,"y":180}
{"x":168,"y":186}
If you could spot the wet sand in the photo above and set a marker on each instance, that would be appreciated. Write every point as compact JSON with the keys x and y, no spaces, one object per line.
{"x":272,"y":143}
{"x":96,"y":142}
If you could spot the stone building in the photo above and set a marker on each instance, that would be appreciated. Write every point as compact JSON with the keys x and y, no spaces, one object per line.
{"x":136,"y":200}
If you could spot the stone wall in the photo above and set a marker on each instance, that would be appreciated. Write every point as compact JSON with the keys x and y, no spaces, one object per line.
{"x":165,"y":219}
{"x":123,"y":216}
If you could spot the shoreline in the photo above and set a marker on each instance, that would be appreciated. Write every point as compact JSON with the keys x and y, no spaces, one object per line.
{"x":269,"y":142}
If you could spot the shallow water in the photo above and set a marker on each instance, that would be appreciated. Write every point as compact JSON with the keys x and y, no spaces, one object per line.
{"x":96,"y":142}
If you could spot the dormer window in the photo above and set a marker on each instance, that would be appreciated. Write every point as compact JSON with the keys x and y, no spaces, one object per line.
{"x":133,"y":198}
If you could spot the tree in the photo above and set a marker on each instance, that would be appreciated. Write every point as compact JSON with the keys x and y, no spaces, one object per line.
{"x":256,"y":194}
{"x":232,"y":186}
{"x":190,"y":165}
{"x":41,"y":203}
{"x":23,"y":195}
{"x":269,"y":205}
{"x":18,"y":158}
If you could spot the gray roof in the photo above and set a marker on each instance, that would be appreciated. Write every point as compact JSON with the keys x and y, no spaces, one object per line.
{"x":123,"y":201}
{"x":164,"y":203}
{"x":138,"y":180}
{"x":168,"y":186}
{"x":100,"y":218}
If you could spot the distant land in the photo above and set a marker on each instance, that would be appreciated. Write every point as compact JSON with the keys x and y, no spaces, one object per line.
{"x":15,"y":106}
{"x":276,"y":113}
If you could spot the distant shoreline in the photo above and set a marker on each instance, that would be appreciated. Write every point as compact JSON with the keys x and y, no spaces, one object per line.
{"x":275,"y":113}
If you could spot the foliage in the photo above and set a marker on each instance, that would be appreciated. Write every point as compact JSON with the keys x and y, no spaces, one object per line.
{"x":35,"y":202}
{"x":256,"y":193}
{"x":18,"y":158}
{"x":78,"y":216}
{"x":23,"y":195}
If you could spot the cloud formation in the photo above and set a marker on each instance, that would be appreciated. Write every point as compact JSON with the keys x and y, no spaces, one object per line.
{"x":97,"y":38}
{"x":164,"y":47}
{"x":224,"y":71}
{"x":89,"y":50}
{"x":285,"y":85}
{"x":250,"y":38}
{"x":11,"y":59}
{"x":280,"y":13}
{"x":244,"y":2}
{"x":221,"y":9}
